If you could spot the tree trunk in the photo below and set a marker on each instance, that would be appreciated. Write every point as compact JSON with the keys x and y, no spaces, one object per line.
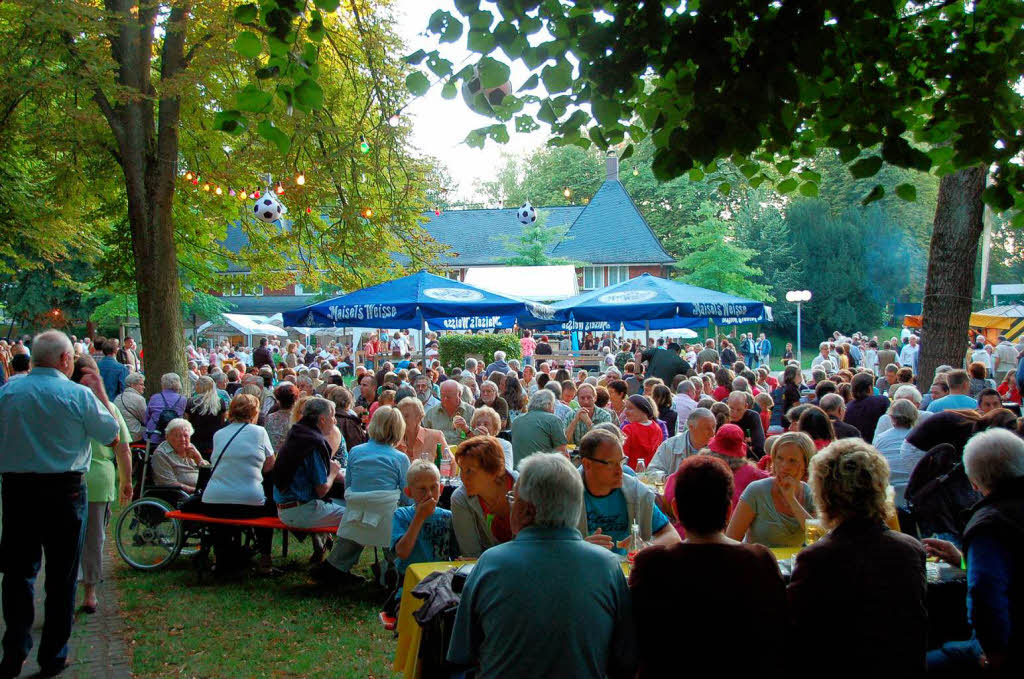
{"x":147,"y":143}
{"x":949,"y":288}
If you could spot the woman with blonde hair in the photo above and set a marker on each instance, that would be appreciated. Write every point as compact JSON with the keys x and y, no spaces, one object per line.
{"x":376,"y":465}
{"x":237,"y":489}
{"x":207,"y":413}
{"x":772,"y":511}
{"x":419,"y":440}
{"x":862,"y":585}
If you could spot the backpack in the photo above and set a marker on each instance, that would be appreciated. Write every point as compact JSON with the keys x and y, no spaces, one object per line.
{"x":166,"y":415}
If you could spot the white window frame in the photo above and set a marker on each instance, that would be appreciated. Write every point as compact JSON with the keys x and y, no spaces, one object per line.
{"x":596,"y":274}
{"x":617,"y":274}
{"x":300,"y":291}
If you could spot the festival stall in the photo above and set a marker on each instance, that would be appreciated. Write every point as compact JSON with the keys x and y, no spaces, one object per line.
{"x":990,"y":323}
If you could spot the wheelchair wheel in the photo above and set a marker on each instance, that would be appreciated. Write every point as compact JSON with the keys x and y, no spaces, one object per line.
{"x":146,"y":539}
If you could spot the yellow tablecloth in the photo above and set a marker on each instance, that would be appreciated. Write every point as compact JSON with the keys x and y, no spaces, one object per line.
{"x":409,"y":633}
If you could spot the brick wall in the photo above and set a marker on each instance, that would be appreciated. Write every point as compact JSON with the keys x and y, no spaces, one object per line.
{"x":655,"y":270}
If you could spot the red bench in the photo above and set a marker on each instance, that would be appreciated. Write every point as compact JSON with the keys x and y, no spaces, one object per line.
{"x":262,"y":522}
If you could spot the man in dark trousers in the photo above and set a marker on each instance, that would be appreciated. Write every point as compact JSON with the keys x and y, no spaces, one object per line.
{"x":47,"y":423}
{"x":665,"y":363}
{"x":261,"y":356}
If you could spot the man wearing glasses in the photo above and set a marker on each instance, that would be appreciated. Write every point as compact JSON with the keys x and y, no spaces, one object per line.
{"x":612,"y":501}
{"x":132,"y":404}
{"x":578,"y":626}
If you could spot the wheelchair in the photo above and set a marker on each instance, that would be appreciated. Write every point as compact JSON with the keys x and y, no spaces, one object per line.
{"x":145,"y":538}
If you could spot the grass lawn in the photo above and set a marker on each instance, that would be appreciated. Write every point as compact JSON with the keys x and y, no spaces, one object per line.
{"x":252,"y":626}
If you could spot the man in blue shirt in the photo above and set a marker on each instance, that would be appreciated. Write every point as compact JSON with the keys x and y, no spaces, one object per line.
{"x":46,"y":425}
{"x":959,"y":384}
{"x":112,"y":372}
{"x":613,"y":501}
{"x":526,"y":610}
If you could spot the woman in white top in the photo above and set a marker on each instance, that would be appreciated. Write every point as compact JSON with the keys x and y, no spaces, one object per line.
{"x":242,"y":453}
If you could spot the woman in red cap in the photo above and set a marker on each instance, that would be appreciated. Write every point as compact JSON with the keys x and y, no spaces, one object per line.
{"x":643,"y":433}
{"x":727,"y":445}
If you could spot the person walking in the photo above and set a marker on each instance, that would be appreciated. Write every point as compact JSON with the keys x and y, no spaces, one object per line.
{"x":47,"y":423}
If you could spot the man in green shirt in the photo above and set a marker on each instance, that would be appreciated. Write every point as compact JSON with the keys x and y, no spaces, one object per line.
{"x":539,"y":430}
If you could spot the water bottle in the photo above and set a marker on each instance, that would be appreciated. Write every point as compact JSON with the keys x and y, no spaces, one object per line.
{"x":635,"y":543}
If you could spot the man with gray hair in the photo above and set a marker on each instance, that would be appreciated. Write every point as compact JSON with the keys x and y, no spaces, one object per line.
{"x":47,"y":425}
{"x":499,"y":364}
{"x":424,"y":393}
{"x":740,"y":414}
{"x":683,"y":402}
{"x":538,"y":429}
{"x":910,"y":393}
{"x":994,"y":462}
{"x":488,"y":632}
{"x":835,"y":407}
{"x":823,"y":355}
{"x":700,"y":427}
{"x":903,"y":415}
{"x":562,"y":411}
{"x":132,"y":405}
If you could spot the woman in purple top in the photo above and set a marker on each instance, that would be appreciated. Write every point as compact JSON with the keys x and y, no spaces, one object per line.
{"x":865,"y":409}
{"x":169,"y":398}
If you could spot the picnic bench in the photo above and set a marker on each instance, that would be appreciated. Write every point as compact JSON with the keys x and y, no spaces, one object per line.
{"x":589,"y":358}
{"x":271,"y":522}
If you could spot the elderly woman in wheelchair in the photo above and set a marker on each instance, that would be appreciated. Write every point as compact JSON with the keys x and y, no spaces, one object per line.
{"x":176,"y":461}
{"x":146,"y":539}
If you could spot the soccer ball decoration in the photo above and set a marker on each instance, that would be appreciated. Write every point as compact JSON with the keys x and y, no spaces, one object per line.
{"x":526,"y":213}
{"x":492,"y":96}
{"x":268,"y":208}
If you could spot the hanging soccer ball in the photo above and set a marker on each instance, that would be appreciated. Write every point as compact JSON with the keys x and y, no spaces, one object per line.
{"x":268,"y":208}
{"x":492,"y":96}
{"x":526,"y":213}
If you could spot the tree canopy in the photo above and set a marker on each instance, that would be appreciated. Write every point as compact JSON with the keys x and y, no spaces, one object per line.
{"x":921,"y":85}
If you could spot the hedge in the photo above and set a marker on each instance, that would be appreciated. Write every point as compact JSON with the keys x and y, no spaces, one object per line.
{"x":453,"y":349}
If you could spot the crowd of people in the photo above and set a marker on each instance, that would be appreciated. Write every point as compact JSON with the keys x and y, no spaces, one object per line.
{"x":694,"y":459}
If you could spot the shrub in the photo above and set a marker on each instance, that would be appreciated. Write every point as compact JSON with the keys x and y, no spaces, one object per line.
{"x":453,"y":349}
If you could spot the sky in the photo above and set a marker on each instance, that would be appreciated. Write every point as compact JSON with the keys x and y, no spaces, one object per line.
{"x":440,"y":125}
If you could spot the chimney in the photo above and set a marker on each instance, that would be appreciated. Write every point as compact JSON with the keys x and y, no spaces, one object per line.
{"x":611,"y":167}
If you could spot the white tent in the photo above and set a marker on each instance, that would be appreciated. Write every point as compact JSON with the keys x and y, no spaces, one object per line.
{"x":534,"y":283}
{"x":247,"y":325}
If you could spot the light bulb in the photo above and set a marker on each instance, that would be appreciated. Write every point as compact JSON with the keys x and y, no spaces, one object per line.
{"x":280,"y":189}
{"x":255,"y":194}
{"x":567,"y":192}
{"x":188,"y":176}
{"x":309,"y":210}
{"x":437,"y":212}
{"x":301,"y":179}
{"x":394,"y":120}
{"x":636,"y":172}
{"x":206,"y":187}
{"x":231,"y":192}
{"x":218,"y":191}
{"x":363,"y":146}
{"x":367,"y":213}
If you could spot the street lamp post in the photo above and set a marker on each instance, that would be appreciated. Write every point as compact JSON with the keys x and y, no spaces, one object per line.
{"x":798,"y":297}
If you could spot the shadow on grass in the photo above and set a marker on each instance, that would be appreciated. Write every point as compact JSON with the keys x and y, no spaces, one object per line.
{"x":248,"y":625}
